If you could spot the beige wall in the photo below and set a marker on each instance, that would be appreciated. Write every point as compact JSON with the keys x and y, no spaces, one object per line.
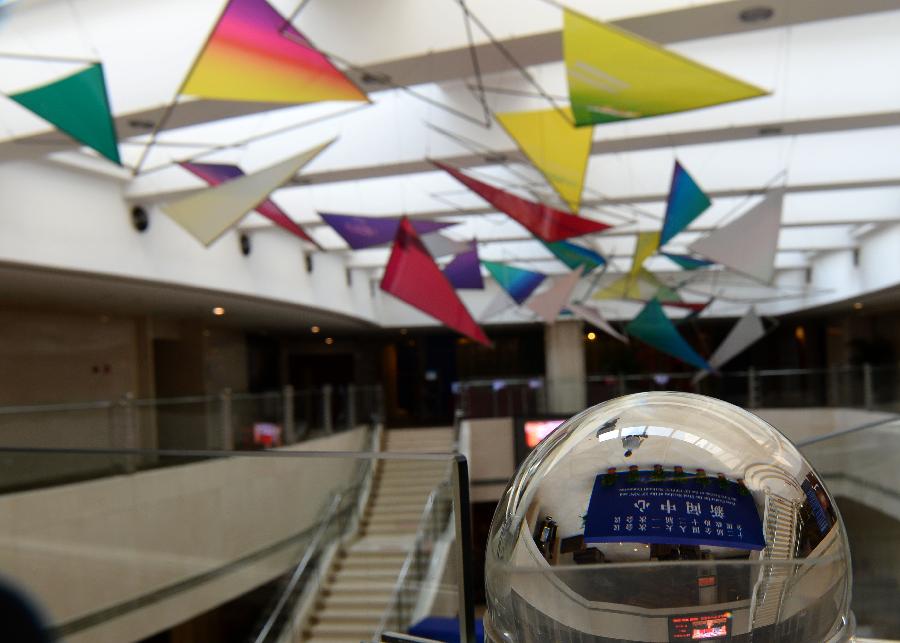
{"x":85,"y":547}
{"x":492,"y":456}
{"x":52,"y":357}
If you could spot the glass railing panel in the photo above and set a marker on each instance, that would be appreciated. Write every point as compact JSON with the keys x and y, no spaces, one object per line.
{"x":140,"y":552}
{"x":861,"y":468}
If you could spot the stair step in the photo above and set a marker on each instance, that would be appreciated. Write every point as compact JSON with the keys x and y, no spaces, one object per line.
{"x":354,"y":602}
{"x":345,"y":615}
{"x":371,"y":563}
{"x":355,"y":632}
{"x":354,"y":575}
{"x":357,"y":588}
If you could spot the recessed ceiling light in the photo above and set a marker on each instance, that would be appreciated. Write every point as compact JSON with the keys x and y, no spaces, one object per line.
{"x":858,"y":305}
{"x":592,"y":336}
{"x":756,"y":14}
{"x":329,"y":340}
{"x":315,"y":329}
{"x":218,"y":311}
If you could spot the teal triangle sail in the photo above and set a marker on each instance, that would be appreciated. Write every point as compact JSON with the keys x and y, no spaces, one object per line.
{"x":652,"y":327}
{"x":78,"y":106}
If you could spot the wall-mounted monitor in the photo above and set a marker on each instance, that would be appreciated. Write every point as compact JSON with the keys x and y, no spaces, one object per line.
{"x":528,"y":431}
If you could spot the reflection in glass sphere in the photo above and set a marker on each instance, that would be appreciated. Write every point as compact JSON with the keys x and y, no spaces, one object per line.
{"x":667,"y":517}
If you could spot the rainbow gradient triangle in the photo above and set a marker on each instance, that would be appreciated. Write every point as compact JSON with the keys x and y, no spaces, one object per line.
{"x":254,"y":54}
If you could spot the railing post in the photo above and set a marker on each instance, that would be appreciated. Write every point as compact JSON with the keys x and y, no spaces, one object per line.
{"x":379,"y":402}
{"x":225,"y":420}
{"x":128,"y":430}
{"x":287,"y":399}
{"x":834,"y":393}
{"x":868,"y":389}
{"x":351,"y":406}
{"x":540,"y":396}
{"x":623,"y":386}
{"x":752,"y":389}
{"x":464,"y":549}
{"x":326,"y":408}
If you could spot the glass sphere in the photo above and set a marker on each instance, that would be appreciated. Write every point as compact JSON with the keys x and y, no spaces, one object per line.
{"x":666,"y":517}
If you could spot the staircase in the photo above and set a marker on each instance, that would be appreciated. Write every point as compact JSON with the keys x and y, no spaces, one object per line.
{"x":360,"y":583}
{"x":781,"y":528}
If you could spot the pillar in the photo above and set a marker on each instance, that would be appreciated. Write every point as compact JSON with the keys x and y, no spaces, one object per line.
{"x":565,"y":381}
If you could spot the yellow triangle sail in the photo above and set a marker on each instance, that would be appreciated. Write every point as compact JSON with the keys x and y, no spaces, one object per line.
{"x":615,"y":75}
{"x":558,"y":149}
{"x":647,"y":243}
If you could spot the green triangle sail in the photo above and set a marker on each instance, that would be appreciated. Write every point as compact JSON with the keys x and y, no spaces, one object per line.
{"x":79,"y":106}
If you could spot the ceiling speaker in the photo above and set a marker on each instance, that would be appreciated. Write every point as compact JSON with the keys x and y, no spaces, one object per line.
{"x":140,"y":219}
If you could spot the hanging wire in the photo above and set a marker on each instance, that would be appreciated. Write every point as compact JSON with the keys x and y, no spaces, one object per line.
{"x":211,"y":149}
{"x":521,"y":69}
{"x":82,"y":30}
{"x":473,"y":54}
{"x":513,"y":92}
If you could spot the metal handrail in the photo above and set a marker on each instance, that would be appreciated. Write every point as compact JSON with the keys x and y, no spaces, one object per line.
{"x":311,"y":550}
{"x":842,"y":432}
{"x":598,"y":377}
{"x":160,"y":401}
{"x":408,"y":561}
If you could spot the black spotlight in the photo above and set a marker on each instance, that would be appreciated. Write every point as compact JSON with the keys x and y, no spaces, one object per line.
{"x":140,"y":219}
{"x":245,"y":244}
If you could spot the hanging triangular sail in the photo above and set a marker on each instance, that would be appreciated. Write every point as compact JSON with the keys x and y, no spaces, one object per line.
{"x":544,"y":222}
{"x":615,"y":75}
{"x":749,"y":243}
{"x":78,"y":106}
{"x":497,"y":305}
{"x":558,"y":149}
{"x":254,"y":54}
{"x":440,"y":246}
{"x":365,"y":232}
{"x":746,"y":332}
{"x":593,"y":316}
{"x":547,"y":304}
{"x":652,"y":327}
{"x":686,"y":202}
{"x":412,"y":276}
{"x":464,"y":271}
{"x":646,"y":245}
{"x":519,"y":283}
{"x":687,"y":262}
{"x":208,"y":214}
{"x":575,"y":256}
{"x":218,"y":173}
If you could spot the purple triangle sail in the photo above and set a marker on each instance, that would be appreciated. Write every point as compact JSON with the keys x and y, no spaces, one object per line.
{"x":365,"y":232}
{"x":464,"y":271}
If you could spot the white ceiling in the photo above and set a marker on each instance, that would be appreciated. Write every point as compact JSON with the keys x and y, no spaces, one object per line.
{"x":828,"y":132}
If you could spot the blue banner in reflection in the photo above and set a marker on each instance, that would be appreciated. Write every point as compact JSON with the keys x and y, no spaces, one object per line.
{"x":659,"y":507}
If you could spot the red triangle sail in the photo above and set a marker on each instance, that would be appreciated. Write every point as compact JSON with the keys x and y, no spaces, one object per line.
{"x":544,"y":222}
{"x":412,"y":276}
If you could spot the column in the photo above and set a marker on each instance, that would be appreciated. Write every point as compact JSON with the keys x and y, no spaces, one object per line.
{"x":564,"y":363}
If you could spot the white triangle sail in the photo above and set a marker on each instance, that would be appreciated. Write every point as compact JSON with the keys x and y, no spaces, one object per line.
{"x":748,"y":244}
{"x":210,"y":213}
